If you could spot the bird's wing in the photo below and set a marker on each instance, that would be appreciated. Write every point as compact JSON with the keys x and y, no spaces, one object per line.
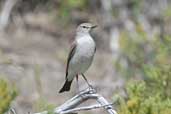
{"x":71,"y":54}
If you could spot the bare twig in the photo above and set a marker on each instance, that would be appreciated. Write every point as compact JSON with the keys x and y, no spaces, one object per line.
{"x":70,"y":106}
{"x":85,"y":108}
{"x":108,"y":108}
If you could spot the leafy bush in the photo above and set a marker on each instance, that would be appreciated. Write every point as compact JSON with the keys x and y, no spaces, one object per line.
{"x":139,"y":50}
{"x":151,"y":96}
{"x":42,"y":104}
{"x":67,"y":6}
{"x":7,"y":94}
{"x":149,"y":61}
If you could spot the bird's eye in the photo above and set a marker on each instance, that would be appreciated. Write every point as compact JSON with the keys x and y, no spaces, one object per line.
{"x":84,"y":26}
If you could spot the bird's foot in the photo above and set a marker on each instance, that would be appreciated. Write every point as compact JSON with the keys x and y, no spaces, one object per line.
{"x":91,"y":89}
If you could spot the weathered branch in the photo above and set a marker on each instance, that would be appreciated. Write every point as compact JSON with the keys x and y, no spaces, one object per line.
{"x":85,"y":108}
{"x":70,"y":106}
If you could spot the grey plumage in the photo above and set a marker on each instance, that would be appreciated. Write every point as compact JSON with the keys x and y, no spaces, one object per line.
{"x":81,"y":54}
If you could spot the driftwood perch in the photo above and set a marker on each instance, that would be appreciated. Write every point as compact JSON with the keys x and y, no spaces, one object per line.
{"x":70,"y":106}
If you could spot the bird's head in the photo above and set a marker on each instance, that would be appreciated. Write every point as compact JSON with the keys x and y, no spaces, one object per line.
{"x":85,"y":27}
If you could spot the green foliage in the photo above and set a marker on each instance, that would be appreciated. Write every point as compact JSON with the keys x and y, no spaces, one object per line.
{"x":149,"y":96}
{"x":139,"y":50}
{"x":133,"y":49}
{"x":66,"y":6}
{"x":167,"y":12}
{"x":7,"y":94}
{"x":135,"y":5}
{"x":42,"y":105}
{"x":148,"y":59}
{"x":159,"y":78}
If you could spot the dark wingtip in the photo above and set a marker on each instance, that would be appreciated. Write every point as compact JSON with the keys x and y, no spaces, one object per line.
{"x":66,"y":86}
{"x":62,"y":90}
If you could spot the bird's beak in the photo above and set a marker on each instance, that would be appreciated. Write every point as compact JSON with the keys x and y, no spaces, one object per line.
{"x":94,"y":26}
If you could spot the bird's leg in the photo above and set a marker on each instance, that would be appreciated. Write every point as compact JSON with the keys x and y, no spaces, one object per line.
{"x":89,"y":85}
{"x":78,"y":89}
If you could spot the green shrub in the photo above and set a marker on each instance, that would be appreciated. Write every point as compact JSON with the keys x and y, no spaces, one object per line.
{"x":148,"y":98}
{"x":7,"y":94}
{"x":67,"y":6}
{"x":149,"y":61}
{"x":42,"y":104}
{"x":151,"y":96}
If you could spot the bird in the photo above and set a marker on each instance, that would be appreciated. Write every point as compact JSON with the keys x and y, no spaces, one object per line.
{"x":81,"y":55}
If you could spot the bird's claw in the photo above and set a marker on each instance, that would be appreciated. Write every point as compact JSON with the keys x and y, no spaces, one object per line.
{"x":91,"y":89}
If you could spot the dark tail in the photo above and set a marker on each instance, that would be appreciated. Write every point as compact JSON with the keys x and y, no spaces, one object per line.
{"x":66,"y":86}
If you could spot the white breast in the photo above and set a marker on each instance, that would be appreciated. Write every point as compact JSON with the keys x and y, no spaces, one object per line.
{"x":83,"y":56}
{"x":85,"y":46}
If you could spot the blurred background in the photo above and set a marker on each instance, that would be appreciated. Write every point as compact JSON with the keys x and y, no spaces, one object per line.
{"x":132,"y":62}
